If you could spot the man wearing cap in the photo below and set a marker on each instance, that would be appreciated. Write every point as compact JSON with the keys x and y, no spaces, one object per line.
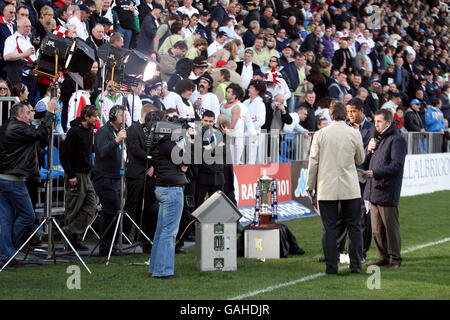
{"x":153,"y":95}
{"x":290,"y":74}
{"x":207,"y":99}
{"x":149,"y":26}
{"x":80,"y":21}
{"x":199,"y":66}
{"x":253,"y":13}
{"x":413,"y":120}
{"x":431,"y":87}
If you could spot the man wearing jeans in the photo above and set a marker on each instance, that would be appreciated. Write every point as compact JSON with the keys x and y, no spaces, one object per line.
{"x":170,"y":182}
{"x":18,"y":161}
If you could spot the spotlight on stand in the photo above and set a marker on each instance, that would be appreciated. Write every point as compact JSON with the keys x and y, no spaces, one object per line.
{"x":115,"y":65}
{"x":54,"y":52}
{"x":81,"y":57}
{"x":139,"y":67}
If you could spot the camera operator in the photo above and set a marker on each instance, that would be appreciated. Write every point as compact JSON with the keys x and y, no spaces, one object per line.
{"x":18,"y":161}
{"x":137,"y":168}
{"x":170,"y":182}
{"x":106,"y":173}
{"x":76,"y":158}
{"x":210,"y":176}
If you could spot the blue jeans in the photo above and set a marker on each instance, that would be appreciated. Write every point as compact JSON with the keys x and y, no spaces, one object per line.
{"x":16,"y":215}
{"x":127,"y":35}
{"x":162,"y":258}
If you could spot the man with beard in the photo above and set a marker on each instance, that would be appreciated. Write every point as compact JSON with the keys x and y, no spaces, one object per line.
{"x":76,"y":158}
{"x":207,"y":99}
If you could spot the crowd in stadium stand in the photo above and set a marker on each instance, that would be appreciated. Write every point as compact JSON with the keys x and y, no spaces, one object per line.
{"x":386,"y":54}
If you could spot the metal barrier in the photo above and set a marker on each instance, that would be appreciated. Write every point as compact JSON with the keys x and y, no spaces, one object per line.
{"x":264,"y":149}
{"x":6,"y":102}
{"x":58,"y":179}
{"x":273,"y":147}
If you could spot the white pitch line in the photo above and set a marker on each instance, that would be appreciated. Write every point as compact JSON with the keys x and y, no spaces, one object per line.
{"x":317,"y":275}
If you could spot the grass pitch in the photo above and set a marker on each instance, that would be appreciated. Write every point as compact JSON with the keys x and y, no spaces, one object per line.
{"x":424,"y":272}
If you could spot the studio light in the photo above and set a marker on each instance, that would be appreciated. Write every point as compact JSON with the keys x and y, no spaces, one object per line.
{"x":139,"y":66}
{"x":51,"y":46}
{"x":81,"y":57}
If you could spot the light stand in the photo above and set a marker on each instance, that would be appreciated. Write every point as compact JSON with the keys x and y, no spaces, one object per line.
{"x":49,"y":219}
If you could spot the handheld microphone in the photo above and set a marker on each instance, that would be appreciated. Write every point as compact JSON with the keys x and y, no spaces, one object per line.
{"x":376,"y":136}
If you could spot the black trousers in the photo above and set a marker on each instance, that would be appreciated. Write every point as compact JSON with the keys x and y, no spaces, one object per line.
{"x":201,"y":190}
{"x":108,"y":191}
{"x":133,"y":204}
{"x":352,"y":216}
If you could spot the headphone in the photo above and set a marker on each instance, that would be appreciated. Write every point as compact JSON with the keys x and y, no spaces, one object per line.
{"x":87,"y":109}
{"x":114,"y":111}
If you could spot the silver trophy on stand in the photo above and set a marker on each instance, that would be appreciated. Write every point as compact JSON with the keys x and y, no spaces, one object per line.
{"x":266,"y":203}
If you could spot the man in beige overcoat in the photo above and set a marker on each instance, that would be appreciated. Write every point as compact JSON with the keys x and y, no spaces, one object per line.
{"x":335,"y":152}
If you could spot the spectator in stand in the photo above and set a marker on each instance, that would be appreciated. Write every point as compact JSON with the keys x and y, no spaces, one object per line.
{"x":310,"y":122}
{"x":413,"y":120}
{"x":7,"y":28}
{"x":79,"y":20}
{"x":149,"y":28}
{"x":169,"y":60}
{"x":187,"y":8}
{"x":250,"y":35}
{"x":434,"y":118}
{"x":247,"y":68}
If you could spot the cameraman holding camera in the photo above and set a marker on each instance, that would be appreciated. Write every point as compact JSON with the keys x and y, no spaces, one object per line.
{"x":18,"y":161}
{"x":170,"y":181}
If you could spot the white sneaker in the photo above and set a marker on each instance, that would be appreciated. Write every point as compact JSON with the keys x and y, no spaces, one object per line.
{"x":344,"y":258}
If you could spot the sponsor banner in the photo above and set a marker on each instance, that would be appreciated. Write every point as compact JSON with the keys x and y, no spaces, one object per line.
{"x":426,"y":173}
{"x":299,"y":174}
{"x":247,"y":178}
{"x":286,"y":211}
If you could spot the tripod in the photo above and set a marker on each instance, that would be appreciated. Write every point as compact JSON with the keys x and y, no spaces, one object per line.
{"x":49,"y":219}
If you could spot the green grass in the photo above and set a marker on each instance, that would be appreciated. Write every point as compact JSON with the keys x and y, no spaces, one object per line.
{"x":424,"y":273}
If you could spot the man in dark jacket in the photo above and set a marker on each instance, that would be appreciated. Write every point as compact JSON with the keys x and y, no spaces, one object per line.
{"x":385,"y":159}
{"x":76,"y":158}
{"x":149,"y":26}
{"x":253,"y":13}
{"x":310,"y":122}
{"x":210,"y":176}
{"x":413,"y":120}
{"x":290,"y":74}
{"x":312,"y":42}
{"x":106,"y":173}
{"x":137,"y":168}
{"x":18,"y":161}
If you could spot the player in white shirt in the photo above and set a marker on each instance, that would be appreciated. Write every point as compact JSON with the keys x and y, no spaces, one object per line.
{"x":257,"y":113}
{"x":207,"y":99}
{"x":183,"y":89}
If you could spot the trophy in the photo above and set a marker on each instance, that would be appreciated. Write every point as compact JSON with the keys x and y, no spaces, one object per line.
{"x":266,"y":204}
